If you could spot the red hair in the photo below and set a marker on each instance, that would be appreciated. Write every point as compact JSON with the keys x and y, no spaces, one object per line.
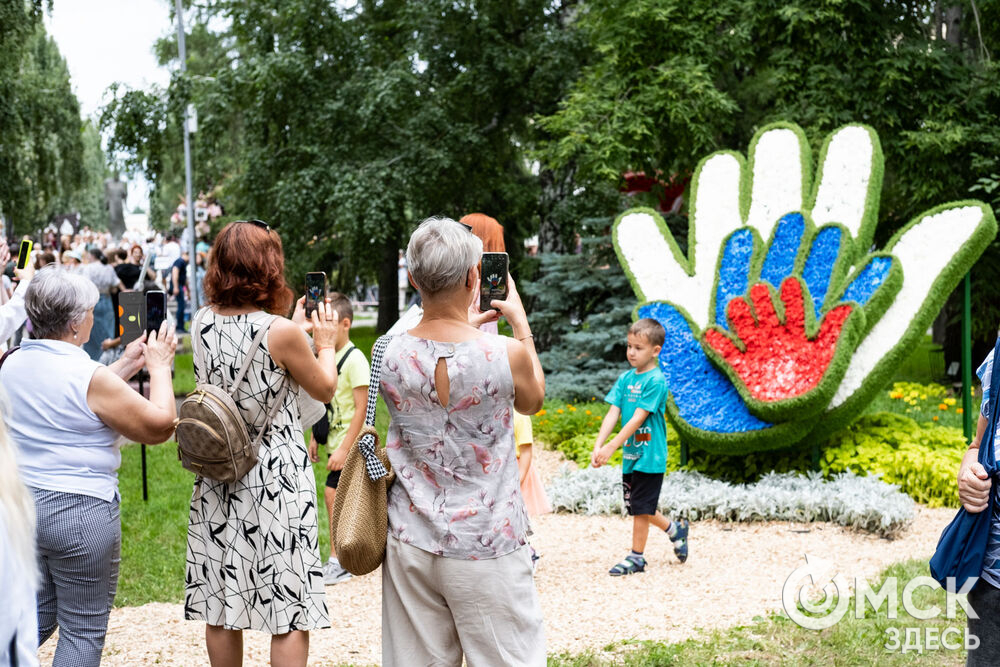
{"x":248,"y":268}
{"x":489,"y":231}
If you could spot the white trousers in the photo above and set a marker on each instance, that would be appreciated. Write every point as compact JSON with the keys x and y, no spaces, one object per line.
{"x":435,"y":609}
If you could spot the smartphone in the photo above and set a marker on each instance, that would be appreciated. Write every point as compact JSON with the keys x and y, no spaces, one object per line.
{"x":315,"y":290}
{"x":492,"y":279}
{"x":156,"y":310}
{"x":24,"y":254}
{"x":131,"y":315}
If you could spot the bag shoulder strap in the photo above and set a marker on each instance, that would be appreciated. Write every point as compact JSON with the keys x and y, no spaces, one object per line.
{"x":265,"y":326}
{"x":378,"y":351}
{"x":987,"y":448}
{"x":8,"y":353}
{"x":340,"y":364}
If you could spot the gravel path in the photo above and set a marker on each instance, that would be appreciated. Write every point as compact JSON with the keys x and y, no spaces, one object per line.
{"x":734,"y":573}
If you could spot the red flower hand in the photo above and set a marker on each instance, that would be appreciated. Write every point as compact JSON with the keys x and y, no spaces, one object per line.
{"x":779,"y":361}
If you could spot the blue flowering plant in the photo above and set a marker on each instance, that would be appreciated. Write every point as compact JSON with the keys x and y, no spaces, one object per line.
{"x":771,"y":343}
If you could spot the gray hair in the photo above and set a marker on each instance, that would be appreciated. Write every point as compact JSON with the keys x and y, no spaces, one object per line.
{"x":440,"y":254}
{"x":56,"y":300}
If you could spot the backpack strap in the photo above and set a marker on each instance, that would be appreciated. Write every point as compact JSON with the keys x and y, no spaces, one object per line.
{"x":340,"y":364}
{"x":252,"y":350}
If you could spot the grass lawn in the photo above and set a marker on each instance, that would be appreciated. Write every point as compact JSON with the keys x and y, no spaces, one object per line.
{"x":776,"y":640}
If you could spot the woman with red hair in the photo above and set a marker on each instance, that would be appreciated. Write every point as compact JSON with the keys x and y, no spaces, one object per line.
{"x":252,"y":555}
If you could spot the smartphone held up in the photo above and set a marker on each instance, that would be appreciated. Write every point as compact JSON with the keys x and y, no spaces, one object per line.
{"x":24,"y":254}
{"x":316,"y":289}
{"x":492,"y":279}
{"x":138,"y":313}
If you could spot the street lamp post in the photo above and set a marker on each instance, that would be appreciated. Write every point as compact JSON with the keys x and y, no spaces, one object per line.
{"x":192,"y":241}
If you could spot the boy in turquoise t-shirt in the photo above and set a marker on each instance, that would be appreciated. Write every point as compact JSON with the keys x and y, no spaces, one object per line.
{"x":639,"y":398}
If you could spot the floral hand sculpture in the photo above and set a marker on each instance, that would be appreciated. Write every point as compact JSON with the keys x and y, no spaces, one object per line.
{"x":768,"y":344}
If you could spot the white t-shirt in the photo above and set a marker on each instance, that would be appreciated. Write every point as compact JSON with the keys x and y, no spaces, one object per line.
{"x":18,"y":612}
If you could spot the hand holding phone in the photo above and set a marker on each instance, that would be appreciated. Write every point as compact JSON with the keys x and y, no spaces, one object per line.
{"x":492,"y":279}
{"x":315,"y":291}
{"x":156,"y":310}
{"x":513,"y":311}
{"x":131,"y":316}
{"x":24,"y":254}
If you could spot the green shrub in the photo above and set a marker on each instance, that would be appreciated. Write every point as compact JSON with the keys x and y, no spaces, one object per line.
{"x":930,"y":404}
{"x":922,"y":460}
{"x":559,"y":421}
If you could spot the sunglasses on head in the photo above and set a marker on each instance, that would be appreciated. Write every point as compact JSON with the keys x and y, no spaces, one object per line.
{"x":259,"y":223}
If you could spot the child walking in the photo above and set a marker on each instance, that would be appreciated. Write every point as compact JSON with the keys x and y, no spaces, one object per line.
{"x":639,"y":398}
{"x":344,"y":417}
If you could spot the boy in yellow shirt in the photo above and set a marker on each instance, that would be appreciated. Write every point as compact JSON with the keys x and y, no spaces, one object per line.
{"x":345,"y":415}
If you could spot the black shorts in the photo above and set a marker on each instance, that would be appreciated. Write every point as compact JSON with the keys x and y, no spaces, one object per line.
{"x":333,"y":479}
{"x":642,"y":491}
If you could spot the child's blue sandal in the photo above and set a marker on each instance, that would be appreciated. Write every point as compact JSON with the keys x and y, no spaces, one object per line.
{"x":631,"y":565}
{"x":680,"y":540}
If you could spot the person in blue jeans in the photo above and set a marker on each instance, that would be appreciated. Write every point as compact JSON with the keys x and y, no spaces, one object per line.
{"x":639,"y":398}
{"x":178,"y":280}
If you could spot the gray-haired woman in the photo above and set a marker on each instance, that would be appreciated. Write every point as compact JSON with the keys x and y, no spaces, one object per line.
{"x":457,"y":577}
{"x":66,"y":413}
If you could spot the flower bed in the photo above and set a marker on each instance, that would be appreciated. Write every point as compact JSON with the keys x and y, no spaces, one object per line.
{"x":864,"y":503}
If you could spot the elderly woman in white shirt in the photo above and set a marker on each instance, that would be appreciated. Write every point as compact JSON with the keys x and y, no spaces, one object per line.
{"x":66,"y":414}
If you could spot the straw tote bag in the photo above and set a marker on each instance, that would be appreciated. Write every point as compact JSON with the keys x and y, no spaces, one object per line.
{"x":360,"y":512}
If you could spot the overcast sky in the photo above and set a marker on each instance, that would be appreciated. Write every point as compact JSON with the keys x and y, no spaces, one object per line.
{"x":104,"y":41}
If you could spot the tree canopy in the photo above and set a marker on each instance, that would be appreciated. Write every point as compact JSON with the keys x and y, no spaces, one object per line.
{"x":50,"y":160}
{"x":343,"y":128}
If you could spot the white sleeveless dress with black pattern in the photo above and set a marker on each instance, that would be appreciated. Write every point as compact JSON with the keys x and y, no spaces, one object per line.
{"x":252,"y":551}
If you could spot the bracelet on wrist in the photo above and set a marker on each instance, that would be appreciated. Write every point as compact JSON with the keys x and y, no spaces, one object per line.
{"x":532,"y":336}
{"x":320,"y":348}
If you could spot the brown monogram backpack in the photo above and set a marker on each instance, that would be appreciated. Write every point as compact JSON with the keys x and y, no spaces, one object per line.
{"x":212,"y":437}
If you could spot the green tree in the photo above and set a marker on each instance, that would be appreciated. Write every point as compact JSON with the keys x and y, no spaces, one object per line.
{"x":344,"y":128}
{"x":41,"y":139}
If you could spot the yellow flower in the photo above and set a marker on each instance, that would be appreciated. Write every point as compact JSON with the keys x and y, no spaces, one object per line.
{"x":959,"y":410}
{"x":934,"y":418}
{"x":560,"y":410}
{"x":943,"y":406}
{"x":923,"y":397}
{"x":586,"y":412}
{"x":950,"y":400}
{"x":572,"y":408}
{"x":540,"y":412}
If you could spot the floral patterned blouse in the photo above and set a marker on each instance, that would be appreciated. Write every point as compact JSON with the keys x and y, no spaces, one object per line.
{"x":456,"y":492}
